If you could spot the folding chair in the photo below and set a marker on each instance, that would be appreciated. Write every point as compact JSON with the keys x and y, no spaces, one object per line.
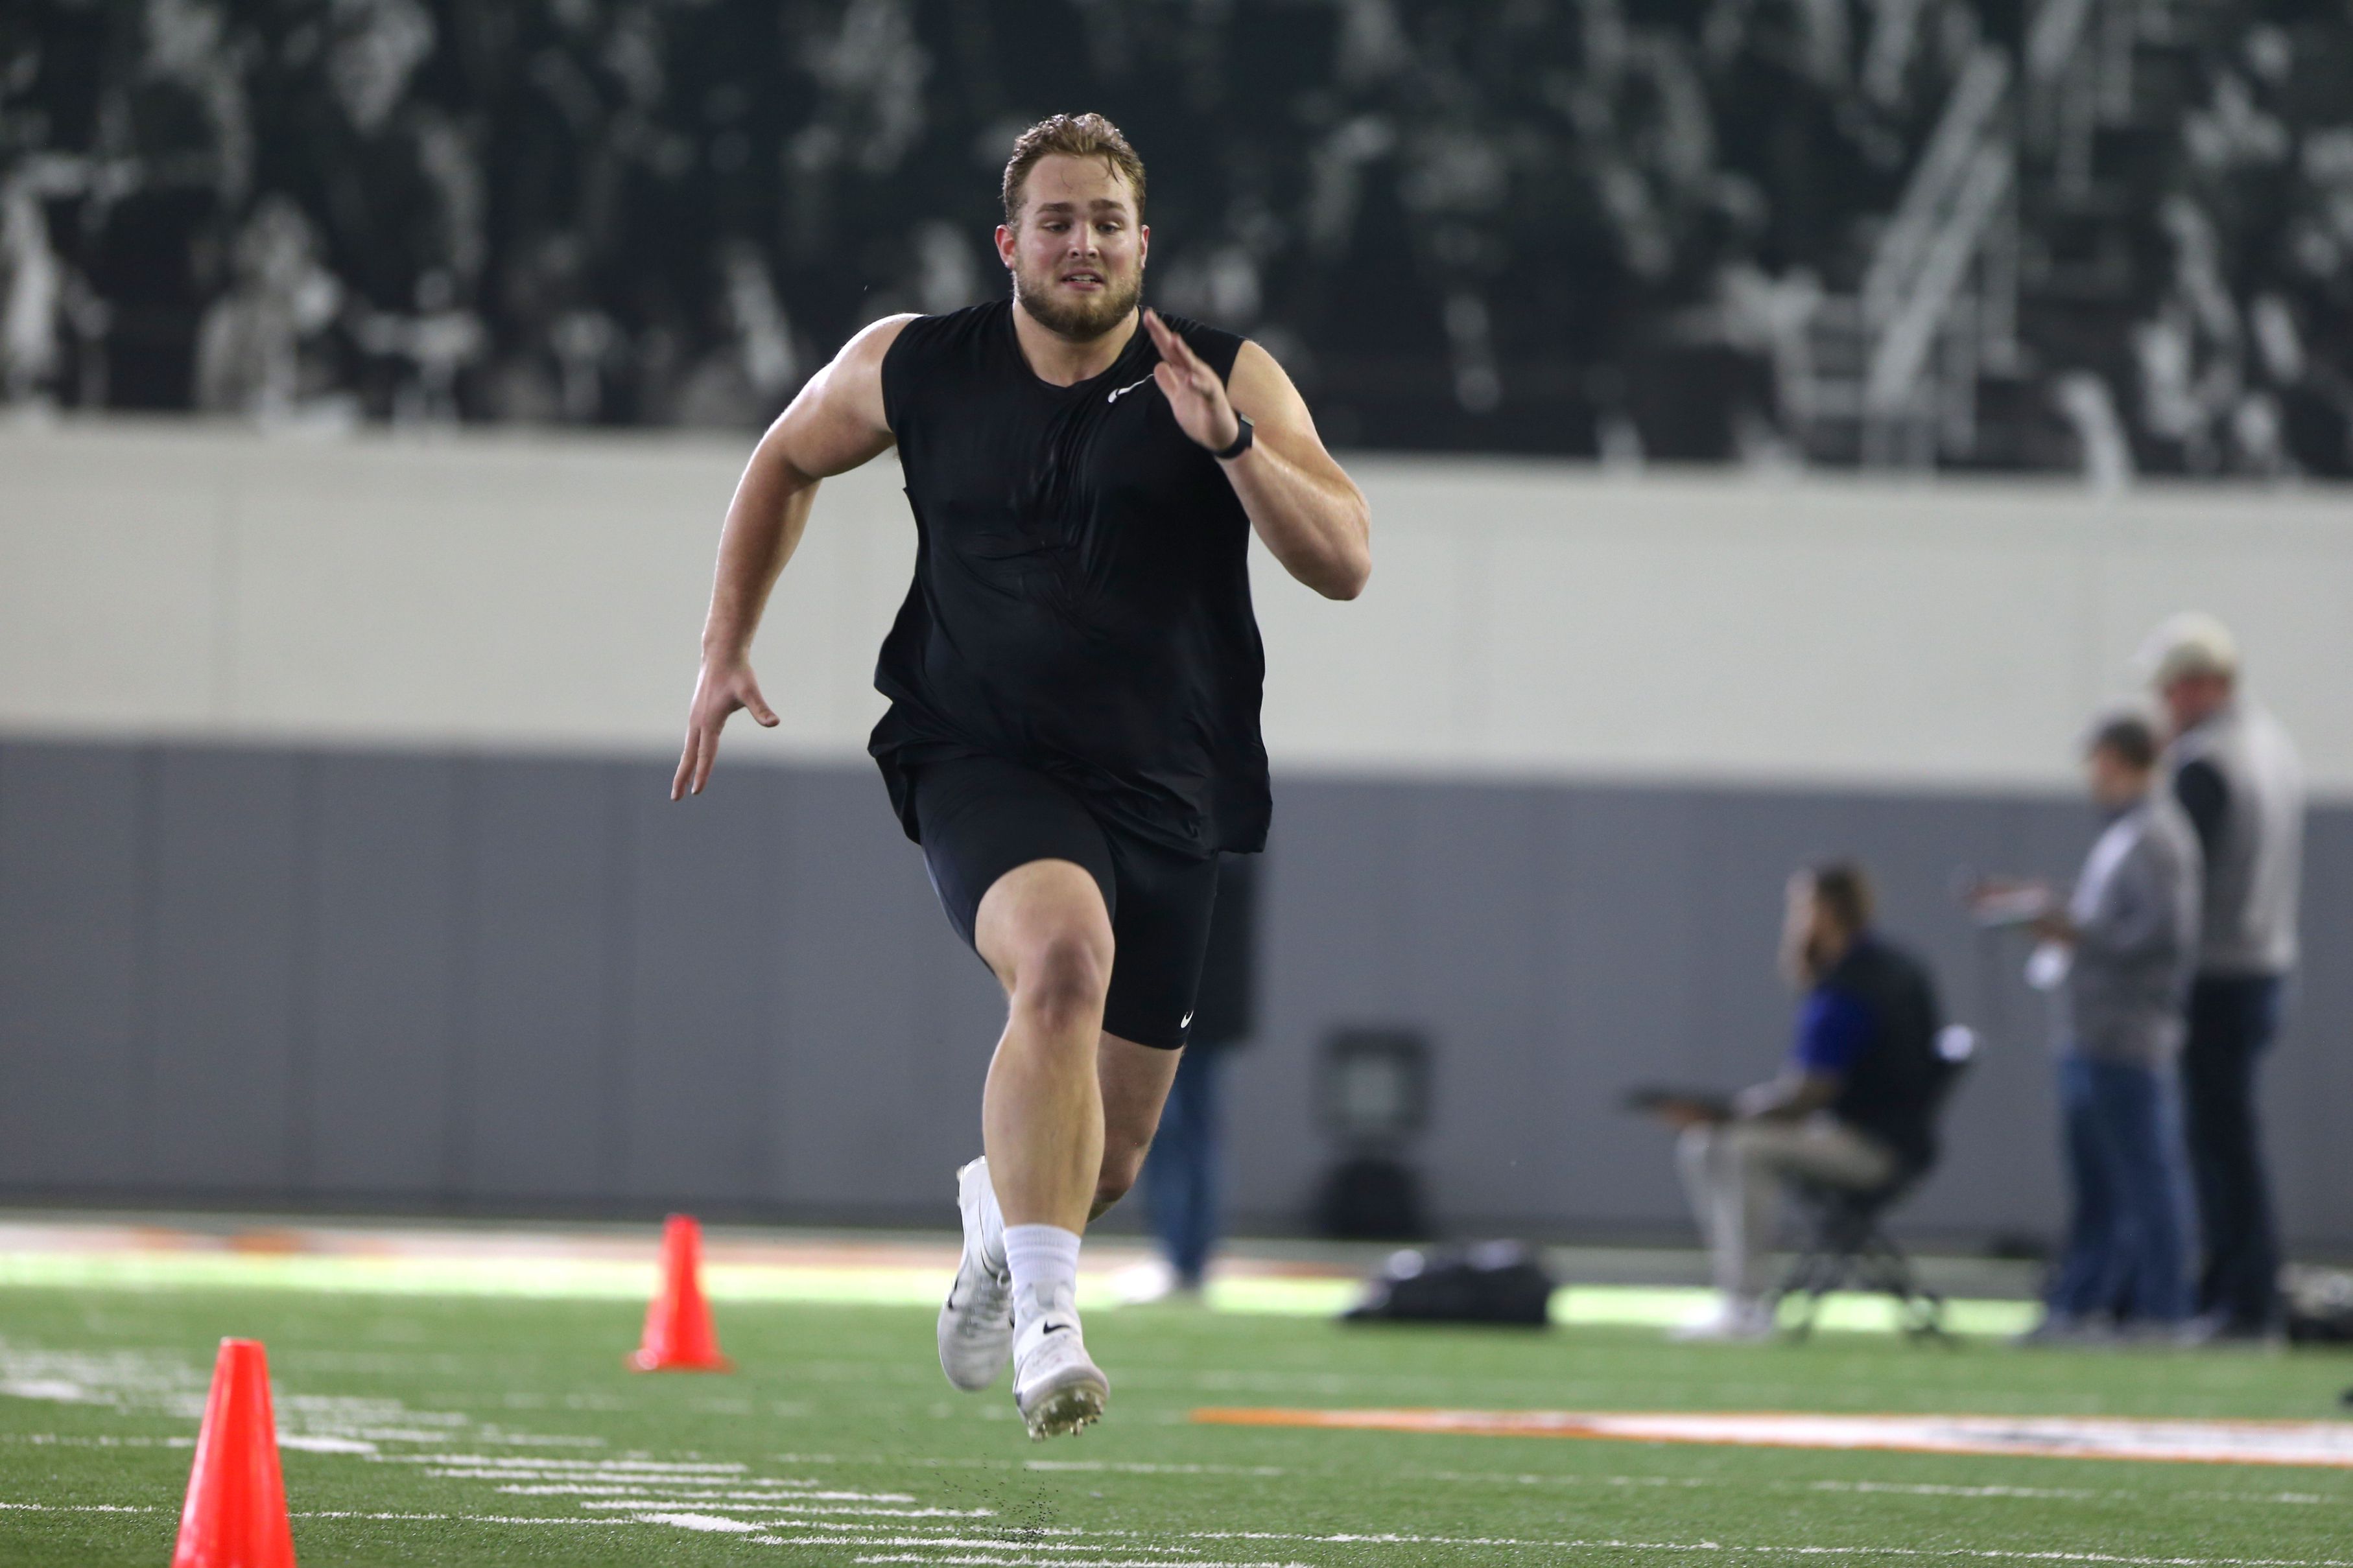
{"x":1846,"y":1244}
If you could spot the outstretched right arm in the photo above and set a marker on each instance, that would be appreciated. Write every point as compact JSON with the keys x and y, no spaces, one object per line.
{"x":834,"y":424}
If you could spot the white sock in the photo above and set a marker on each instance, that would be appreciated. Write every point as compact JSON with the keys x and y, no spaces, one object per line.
{"x":1044,"y":1261}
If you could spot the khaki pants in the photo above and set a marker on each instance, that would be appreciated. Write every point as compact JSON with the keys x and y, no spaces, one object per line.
{"x":1734,"y":1173}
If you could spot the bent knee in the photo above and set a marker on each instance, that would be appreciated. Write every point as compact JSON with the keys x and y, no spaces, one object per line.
{"x":1060,"y":978}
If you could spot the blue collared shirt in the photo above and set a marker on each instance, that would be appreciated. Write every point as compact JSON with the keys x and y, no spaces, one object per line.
{"x":1833,"y":1031}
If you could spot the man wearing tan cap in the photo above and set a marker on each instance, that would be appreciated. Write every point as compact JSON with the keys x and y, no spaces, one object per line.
{"x":2237,"y":775}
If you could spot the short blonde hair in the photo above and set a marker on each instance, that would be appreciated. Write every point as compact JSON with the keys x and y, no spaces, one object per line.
{"x":1071,"y":136}
{"x":2191,"y":643}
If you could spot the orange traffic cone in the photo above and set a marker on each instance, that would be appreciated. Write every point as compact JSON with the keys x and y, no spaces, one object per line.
{"x":679,"y":1336}
{"x":236,"y":1512}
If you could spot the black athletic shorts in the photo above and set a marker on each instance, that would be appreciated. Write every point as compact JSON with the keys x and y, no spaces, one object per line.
{"x":980,"y":818}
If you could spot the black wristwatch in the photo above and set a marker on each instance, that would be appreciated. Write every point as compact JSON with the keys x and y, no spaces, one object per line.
{"x":1241,"y":442}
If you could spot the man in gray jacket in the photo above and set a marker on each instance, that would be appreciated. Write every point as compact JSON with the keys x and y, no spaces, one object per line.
{"x":2119,"y":953}
{"x":2236,"y":773}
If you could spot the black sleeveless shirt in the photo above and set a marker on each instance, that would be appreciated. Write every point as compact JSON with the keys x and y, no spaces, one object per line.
{"x":1082,"y":599}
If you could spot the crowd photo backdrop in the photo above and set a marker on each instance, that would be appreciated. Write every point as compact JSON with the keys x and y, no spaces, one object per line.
{"x":2105,"y":236}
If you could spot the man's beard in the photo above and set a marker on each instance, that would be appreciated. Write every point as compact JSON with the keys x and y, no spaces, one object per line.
{"x":1080,"y":317}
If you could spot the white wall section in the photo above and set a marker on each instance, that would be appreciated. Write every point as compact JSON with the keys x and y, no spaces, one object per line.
{"x":502,"y":592}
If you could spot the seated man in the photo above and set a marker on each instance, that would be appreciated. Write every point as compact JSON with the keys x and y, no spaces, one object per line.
{"x":1852,"y":1109}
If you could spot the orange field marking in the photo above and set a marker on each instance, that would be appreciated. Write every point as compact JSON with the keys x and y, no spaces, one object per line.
{"x":2314,"y":1443}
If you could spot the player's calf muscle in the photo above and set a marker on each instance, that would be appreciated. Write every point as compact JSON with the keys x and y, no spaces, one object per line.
{"x":1121,"y":1167}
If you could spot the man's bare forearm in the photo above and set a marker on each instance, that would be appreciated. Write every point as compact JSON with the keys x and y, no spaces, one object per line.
{"x":765,"y":522}
{"x":1317,"y":524}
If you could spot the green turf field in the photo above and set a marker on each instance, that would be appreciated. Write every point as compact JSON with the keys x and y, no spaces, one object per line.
{"x":441,"y":1430}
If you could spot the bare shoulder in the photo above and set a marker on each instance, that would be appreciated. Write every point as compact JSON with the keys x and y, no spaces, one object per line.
{"x":839,"y":421}
{"x":1263,"y":389}
{"x":857,"y":370}
{"x":873,"y":341}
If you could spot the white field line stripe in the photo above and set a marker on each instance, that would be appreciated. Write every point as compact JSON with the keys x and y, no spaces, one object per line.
{"x":686,"y":1494}
{"x":456,"y":1517}
{"x":1139,"y":1468}
{"x":1058,"y":1562}
{"x":985,"y":1543}
{"x":1025,"y":1536}
{"x":1497,"y":1477}
{"x":1528,"y":1480}
{"x":751,"y":1492}
{"x":1981,"y":1554}
{"x":849,"y":1535}
{"x":2244,"y":1442}
{"x":78,"y":1508}
{"x":752,"y":1502}
{"x":794,"y":1508}
{"x":1930,"y":1489}
{"x":708,"y":1522}
{"x":606,"y":1478}
{"x":506,"y":1462}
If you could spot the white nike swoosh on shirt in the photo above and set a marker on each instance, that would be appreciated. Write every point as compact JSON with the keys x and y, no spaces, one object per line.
{"x":1131,"y":387}
{"x":1186,"y":1022}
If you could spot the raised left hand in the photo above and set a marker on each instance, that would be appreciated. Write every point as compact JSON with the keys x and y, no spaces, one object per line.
{"x":1195,"y":394}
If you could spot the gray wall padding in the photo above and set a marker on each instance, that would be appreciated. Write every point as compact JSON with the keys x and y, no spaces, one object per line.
{"x":243,"y":975}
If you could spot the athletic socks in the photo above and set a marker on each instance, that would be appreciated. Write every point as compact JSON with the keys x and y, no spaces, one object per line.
{"x":1044,"y":1261}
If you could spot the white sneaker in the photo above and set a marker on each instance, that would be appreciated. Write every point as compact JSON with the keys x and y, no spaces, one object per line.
{"x":1056,"y":1385}
{"x":976,"y":1320}
{"x":1733,"y":1318}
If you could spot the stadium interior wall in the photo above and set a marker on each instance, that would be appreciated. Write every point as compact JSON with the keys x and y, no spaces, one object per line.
{"x":335,"y":865}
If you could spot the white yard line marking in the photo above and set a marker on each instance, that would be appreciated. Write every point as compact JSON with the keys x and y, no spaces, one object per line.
{"x":588,"y":1478}
{"x":1984,"y":1553}
{"x":709,"y":1523}
{"x":680,"y":1493}
{"x":2319,"y":1444}
{"x":1073,"y":1539}
{"x":458,"y":1518}
{"x":1931,"y":1488}
{"x":1526,"y":1479}
{"x":982,"y":1543}
{"x":796,"y":1507}
{"x":1140,"y":1468}
{"x":508,"y":1462}
{"x":1058,"y":1562}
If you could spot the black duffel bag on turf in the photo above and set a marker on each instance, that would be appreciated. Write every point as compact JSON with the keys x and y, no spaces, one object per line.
{"x":1494,"y":1282}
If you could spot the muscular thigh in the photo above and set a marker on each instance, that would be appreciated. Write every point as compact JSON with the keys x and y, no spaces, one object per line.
{"x":1008,"y":837}
{"x":981,"y":820}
